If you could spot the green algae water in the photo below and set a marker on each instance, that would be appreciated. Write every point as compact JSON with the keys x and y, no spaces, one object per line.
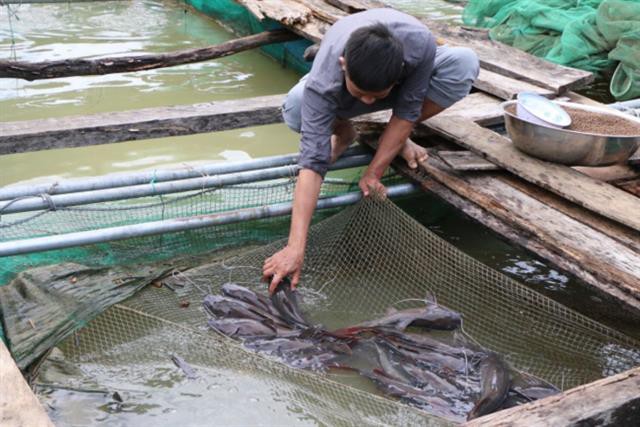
{"x":158,"y":394}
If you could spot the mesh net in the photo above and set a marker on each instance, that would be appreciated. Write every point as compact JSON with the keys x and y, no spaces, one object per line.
{"x":112,"y":214}
{"x":358,"y":263}
{"x":593,"y":35}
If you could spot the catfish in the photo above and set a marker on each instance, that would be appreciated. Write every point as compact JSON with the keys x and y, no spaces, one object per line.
{"x":495,"y":382}
{"x":432,"y":316}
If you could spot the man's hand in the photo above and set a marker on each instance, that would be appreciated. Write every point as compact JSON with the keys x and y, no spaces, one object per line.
{"x":283,"y":263}
{"x":370,"y":183}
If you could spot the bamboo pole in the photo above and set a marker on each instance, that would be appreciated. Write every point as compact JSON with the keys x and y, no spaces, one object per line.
{"x":83,"y":67}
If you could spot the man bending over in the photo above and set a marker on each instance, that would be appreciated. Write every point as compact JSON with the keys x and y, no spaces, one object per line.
{"x":368,"y":61}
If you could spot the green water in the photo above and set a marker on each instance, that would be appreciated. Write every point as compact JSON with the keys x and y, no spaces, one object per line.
{"x":54,"y":31}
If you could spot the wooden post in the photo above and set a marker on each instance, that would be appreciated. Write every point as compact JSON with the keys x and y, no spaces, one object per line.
{"x":84,"y":67}
{"x":19,"y":407}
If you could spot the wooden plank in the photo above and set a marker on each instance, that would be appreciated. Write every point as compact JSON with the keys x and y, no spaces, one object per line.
{"x":607,"y":265}
{"x":612,"y":401}
{"x":324,"y":11}
{"x":295,"y":15}
{"x":608,"y":173}
{"x":506,"y":87}
{"x":288,"y":12}
{"x":594,"y":195}
{"x":83,"y":67}
{"x":631,"y":186}
{"x":477,"y":107}
{"x":19,"y":407}
{"x":511,"y":62}
{"x":621,"y":233}
{"x":466,"y":161}
{"x":80,"y":131}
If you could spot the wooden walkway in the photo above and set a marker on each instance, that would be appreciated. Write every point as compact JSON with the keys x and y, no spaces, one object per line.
{"x":19,"y":407}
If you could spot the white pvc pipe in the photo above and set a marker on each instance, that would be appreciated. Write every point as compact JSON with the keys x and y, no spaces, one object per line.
{"x":69,"y":240}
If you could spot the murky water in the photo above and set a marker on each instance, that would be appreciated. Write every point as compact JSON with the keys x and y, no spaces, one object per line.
{"x":54,"y":31}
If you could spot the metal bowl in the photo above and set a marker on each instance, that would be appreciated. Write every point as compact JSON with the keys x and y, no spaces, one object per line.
{"x":570,"y":147}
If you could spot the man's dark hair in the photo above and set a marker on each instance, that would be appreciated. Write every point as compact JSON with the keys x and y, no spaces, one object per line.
{"x":373,"y":58}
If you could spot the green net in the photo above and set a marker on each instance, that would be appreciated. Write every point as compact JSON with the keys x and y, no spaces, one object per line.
{"x":359,"y":262}
{"x":593,"y":35}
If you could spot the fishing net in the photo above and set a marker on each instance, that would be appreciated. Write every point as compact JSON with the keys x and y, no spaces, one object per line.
{"x":63,"y":220}
{"x":593,"y":35}
{"x":359,"y":262}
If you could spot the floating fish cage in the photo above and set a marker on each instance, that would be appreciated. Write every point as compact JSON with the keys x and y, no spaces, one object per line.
{"x":117,"y":313}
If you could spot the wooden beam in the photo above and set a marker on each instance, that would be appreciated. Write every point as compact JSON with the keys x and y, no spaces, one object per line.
{"x":80,"y":131}
{"x":466,"y":161}
{"x":511,"y":62}
{"x":19,"y":407}
{"x":594,"y":195}
{"x":613,"y":229}
{"x":83,"y":67}
{"x":477,"y":107}
{"x":612,"y":401}
{"x":506,"y":87}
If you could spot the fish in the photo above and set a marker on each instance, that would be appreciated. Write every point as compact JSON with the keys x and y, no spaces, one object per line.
{"x":224,"y":307}
{"x":431,"y":359}
{"x":412,"y":395}
{"x":419,"y":342}
{"x":246,"y":295}
{"x":243,"y":328}
{"x":432,"y":316}
{"x":285,"y":300}
{"x":184,"y":367}
{"x":278,"y":346}
{"x":316,"y":362}
{"x":425,"y":378}
{"x":495,"y":382}
{"x":391,"y":367}
{"x":535,"y":392}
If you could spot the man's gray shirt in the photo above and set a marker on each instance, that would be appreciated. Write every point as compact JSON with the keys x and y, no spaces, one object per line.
{"x":326,"y":97}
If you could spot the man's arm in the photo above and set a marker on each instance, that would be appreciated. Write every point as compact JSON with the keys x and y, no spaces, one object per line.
{"x":289,"y":260}
{"x":390,"y":144}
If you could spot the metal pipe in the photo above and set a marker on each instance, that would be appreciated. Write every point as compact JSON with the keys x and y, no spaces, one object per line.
{"x":34,"y":203}
{"x":69,"y":240}
{"x":138,"y":178}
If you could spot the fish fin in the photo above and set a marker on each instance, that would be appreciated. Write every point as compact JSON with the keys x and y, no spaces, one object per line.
{"x":391,"y":310}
